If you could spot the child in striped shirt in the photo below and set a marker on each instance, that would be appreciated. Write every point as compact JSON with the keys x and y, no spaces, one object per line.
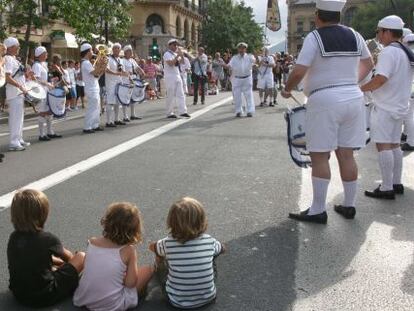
{"x":189,"y":254}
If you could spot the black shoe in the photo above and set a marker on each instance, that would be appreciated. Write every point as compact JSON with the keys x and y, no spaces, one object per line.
{"x":249,"y":115}
{"x":172,"y":116}
{"x":275,"y":103}
{"x":127,"y":120}
{"x":238,"y":115}
{"x":135,"y":118}
{"x":271,"y":105}
{"x":403,"y":137}
{"x":52,"y":136}
{"x":185,"y":115}
{"x":303,"y":216}
{"x":345,"y":211}
{"x":120,"y":123}
{"x":44,"y":138}
{"x":88,"y":131}
{"x":261,"y":104}
{"x":98,"y":129}
{"x":203,"y":103}
{"x":378,"y":194}
{"x":1,"y":155}
{"x":110,"y":125}
{"x":194,"y":104}
{"x":398,"y":188}
{"x":407,"y":147}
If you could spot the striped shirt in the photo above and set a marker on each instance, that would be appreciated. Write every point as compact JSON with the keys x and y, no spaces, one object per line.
{"x":190,"y":282}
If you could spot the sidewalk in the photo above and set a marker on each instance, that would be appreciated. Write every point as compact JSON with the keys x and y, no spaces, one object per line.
{"x":28,"y":114}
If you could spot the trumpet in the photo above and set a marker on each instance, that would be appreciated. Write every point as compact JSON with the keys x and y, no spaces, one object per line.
{"x":102,"y":59}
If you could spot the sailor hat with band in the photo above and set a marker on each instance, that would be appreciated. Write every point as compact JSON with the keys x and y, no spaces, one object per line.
{"x":391,"y":22}
{"x":242,"y":44}
{"x":85,"y":47}
{"x":172,"y":41}
{"x":40,"y":50}
{"x":11,"y":41}
{"x":330,"y":5}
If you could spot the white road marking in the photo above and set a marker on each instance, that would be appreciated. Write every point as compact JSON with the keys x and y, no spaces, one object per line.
{"x":32,"y":127}
{"x":85,"y":165}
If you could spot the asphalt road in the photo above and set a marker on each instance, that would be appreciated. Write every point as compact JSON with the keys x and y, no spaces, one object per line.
{"x":240,"y":169}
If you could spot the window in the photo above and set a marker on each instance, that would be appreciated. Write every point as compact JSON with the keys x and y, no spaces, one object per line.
{"x":299,"y":27}
{"x":154,"y":24}
{"x":186,"y":32}
{"x":178,"y":27}
{"x":193,"y":34}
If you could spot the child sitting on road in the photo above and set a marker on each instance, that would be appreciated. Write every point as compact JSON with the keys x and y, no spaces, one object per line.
{"x":112,"y":279}
{"x":189,"y":254}
{"x":42,"y":271}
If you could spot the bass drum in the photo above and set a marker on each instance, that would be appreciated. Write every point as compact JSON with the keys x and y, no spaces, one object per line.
{"x":56,"y":100}
{"x":138,"y":93}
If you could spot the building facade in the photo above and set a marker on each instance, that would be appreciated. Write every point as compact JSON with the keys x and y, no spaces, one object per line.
{"x":157,"y":21}
{"x":301,"y":20}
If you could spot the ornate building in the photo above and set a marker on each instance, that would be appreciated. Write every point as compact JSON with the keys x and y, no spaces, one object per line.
{"x":157,"y":21}
{"x":301,"y":20}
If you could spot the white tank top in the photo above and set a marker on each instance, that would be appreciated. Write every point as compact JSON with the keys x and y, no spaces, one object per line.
{"x":101,"y":286}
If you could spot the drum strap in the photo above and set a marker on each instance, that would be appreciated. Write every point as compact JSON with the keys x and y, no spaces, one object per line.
{"x":406,"y":50}
{"x":331,"y":87}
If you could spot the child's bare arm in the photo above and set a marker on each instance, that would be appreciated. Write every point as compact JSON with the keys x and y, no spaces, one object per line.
{"x":223,"y":248}
{"x":131,"y":276}
{"x":153,"y":247}
{"x":57,"y":261}
{"x":67,"y":255}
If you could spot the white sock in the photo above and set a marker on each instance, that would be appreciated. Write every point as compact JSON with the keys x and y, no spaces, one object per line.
{"x":49,"y":125}
{"x":398,"y":165}
{"x":124,"y":111}
{"x":320,"y":191}
{"x":41,"y":121}
{"x":386,"y":163}
{"x":108,"y":113}
{"x":116,"y":113}
{"x":350,"y":191}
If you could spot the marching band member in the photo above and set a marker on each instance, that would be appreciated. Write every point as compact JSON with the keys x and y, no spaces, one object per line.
{"x":90,"y":77}
{"x":15,"y":89}
{"x":2,"y":74}
{"x":41,"y":73}
{"x":185,"y":69}
{"x":391,"y":90}
{"x":241,"y":66}
{"x":173,"y":81}
{"x":335,"y":117}
{"x":408,"y":145}
{"x":113,"y":76}
{"x":132,"y":68}
{"x":266,"y":82}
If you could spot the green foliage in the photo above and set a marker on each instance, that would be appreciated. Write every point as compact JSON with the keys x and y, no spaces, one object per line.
{"x":89,"y":17}
{"x":366,"y":19}
{"x":229,"y":23}
{"x":3,"y":27}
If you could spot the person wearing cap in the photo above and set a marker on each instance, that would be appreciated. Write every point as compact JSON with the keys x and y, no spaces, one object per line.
{"x":241,"y":66}
{"x":265,"y":75}
{"x":113,"y":75}
{"x":408,"y":134}
{"x":41,"y":73}
{"x":391,"y":90}
{"x":173,"y":82}
{"x":15,"y":91}
{"x":90,"y":77}
{"x":335,"y":116}
{"x":134,"y":71}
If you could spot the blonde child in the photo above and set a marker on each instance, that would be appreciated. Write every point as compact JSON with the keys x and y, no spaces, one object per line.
{"x":189,"y":254}
{"x":42,"y":271}
{"x":112,"y":279}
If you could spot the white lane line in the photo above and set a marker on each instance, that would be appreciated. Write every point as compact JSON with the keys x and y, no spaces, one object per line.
{"x":83,"y":166}
{"x":32,"y":127}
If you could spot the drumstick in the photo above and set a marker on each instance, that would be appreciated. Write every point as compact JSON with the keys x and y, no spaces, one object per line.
{"x":296,"y":101}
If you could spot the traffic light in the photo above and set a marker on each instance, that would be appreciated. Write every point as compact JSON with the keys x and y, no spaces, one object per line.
{"x":155,"y":51}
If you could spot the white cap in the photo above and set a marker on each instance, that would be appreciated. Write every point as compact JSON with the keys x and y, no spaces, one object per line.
{"x":149,"y":57}
{"x":242,"y":44}
{"x":84,"y":47}
{"x":40,"y":50}
{"x":117,"y":45}
{"x":127,"y":48}
{"x":11,"y":41}
{"x":409,"y":38}
{"x":406,"y":31}
{"x":391,"y":22}
{"x":330,"y":5}
{"x":172,"y":41}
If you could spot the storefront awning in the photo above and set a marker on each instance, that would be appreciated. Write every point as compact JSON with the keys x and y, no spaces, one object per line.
{"x":69,"y":41}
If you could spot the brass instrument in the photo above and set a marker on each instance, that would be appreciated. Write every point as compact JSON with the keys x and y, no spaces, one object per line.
{"x":374,"y":47}
{"x":102,"y":59}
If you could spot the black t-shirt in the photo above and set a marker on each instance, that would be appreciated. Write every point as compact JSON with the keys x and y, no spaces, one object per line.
{"x":29,"y":256}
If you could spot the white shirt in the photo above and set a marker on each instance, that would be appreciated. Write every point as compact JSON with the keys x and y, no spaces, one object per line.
{"x":185,"y":67}
{"x":72,"y":76}
{"x":394,"y":95}
{"x":170,"y":71}
{"x":264,"y":70}
{"x":112,"y":80}
{"x":91,"y":82}
{"x":325,"y":71}
{"x":242,"y":66}
{"x":129,"y":65}
{"x":78,"y":79}
{"x":40,"y":71}
{"x":66,"y":77}
{"x":11,"y":66}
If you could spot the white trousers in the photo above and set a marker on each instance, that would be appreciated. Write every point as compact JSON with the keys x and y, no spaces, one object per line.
{"x":409,"y":124}
{"x":175,"y":95}
{"x":16,"y":118}
{"x":132,"y":106}
{"x":184,"y":79}
{"x":243,"y":87}
{"x":93,"y":110}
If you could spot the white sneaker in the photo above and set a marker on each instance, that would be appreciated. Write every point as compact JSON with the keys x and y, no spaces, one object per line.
{"x":16,"y":148}
{"x":24,"y":144}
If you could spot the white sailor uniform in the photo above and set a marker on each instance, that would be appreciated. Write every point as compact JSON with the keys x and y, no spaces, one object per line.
{"x":265,"y":73}
{"x":130,"y":66}
{"x":15,"y":101}
{"x":112,"y":102}
{"x":92,"y":115}
{"x":242,"y":81}
{"x":174,"y":86}
{"x":184,"y":68}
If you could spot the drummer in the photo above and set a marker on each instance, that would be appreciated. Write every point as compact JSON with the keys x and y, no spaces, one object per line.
{"x":15,"y":91}
{"x":135,"y":71}
{"x":41,"y":74}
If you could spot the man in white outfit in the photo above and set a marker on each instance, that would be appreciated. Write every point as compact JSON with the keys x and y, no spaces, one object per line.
{"x":15,"y":91}
{"x":391,"y":91}
{"x":335,"y":115}
{"x":265,"y":74}
{"x":185,"y":68}
{"x":90,"y":78}
{"x":241,"y":66}
{"x":408,"y":145}
{"x":173,"y":82}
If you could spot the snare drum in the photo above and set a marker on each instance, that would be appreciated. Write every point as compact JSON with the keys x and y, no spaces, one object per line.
{"x":35,"y":93}
{"x":56,"y":100}
{"x":138,"y":92}
{"x":124,"y":92}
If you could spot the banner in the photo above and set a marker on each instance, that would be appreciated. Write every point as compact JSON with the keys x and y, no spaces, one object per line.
{"x":273,"y":15}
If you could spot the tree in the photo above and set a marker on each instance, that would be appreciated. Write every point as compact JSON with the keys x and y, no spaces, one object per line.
{"x":229,"y":23}
{"x":106,"y":18}
{"x":366,"y":19}
{"x":3,"y":9}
